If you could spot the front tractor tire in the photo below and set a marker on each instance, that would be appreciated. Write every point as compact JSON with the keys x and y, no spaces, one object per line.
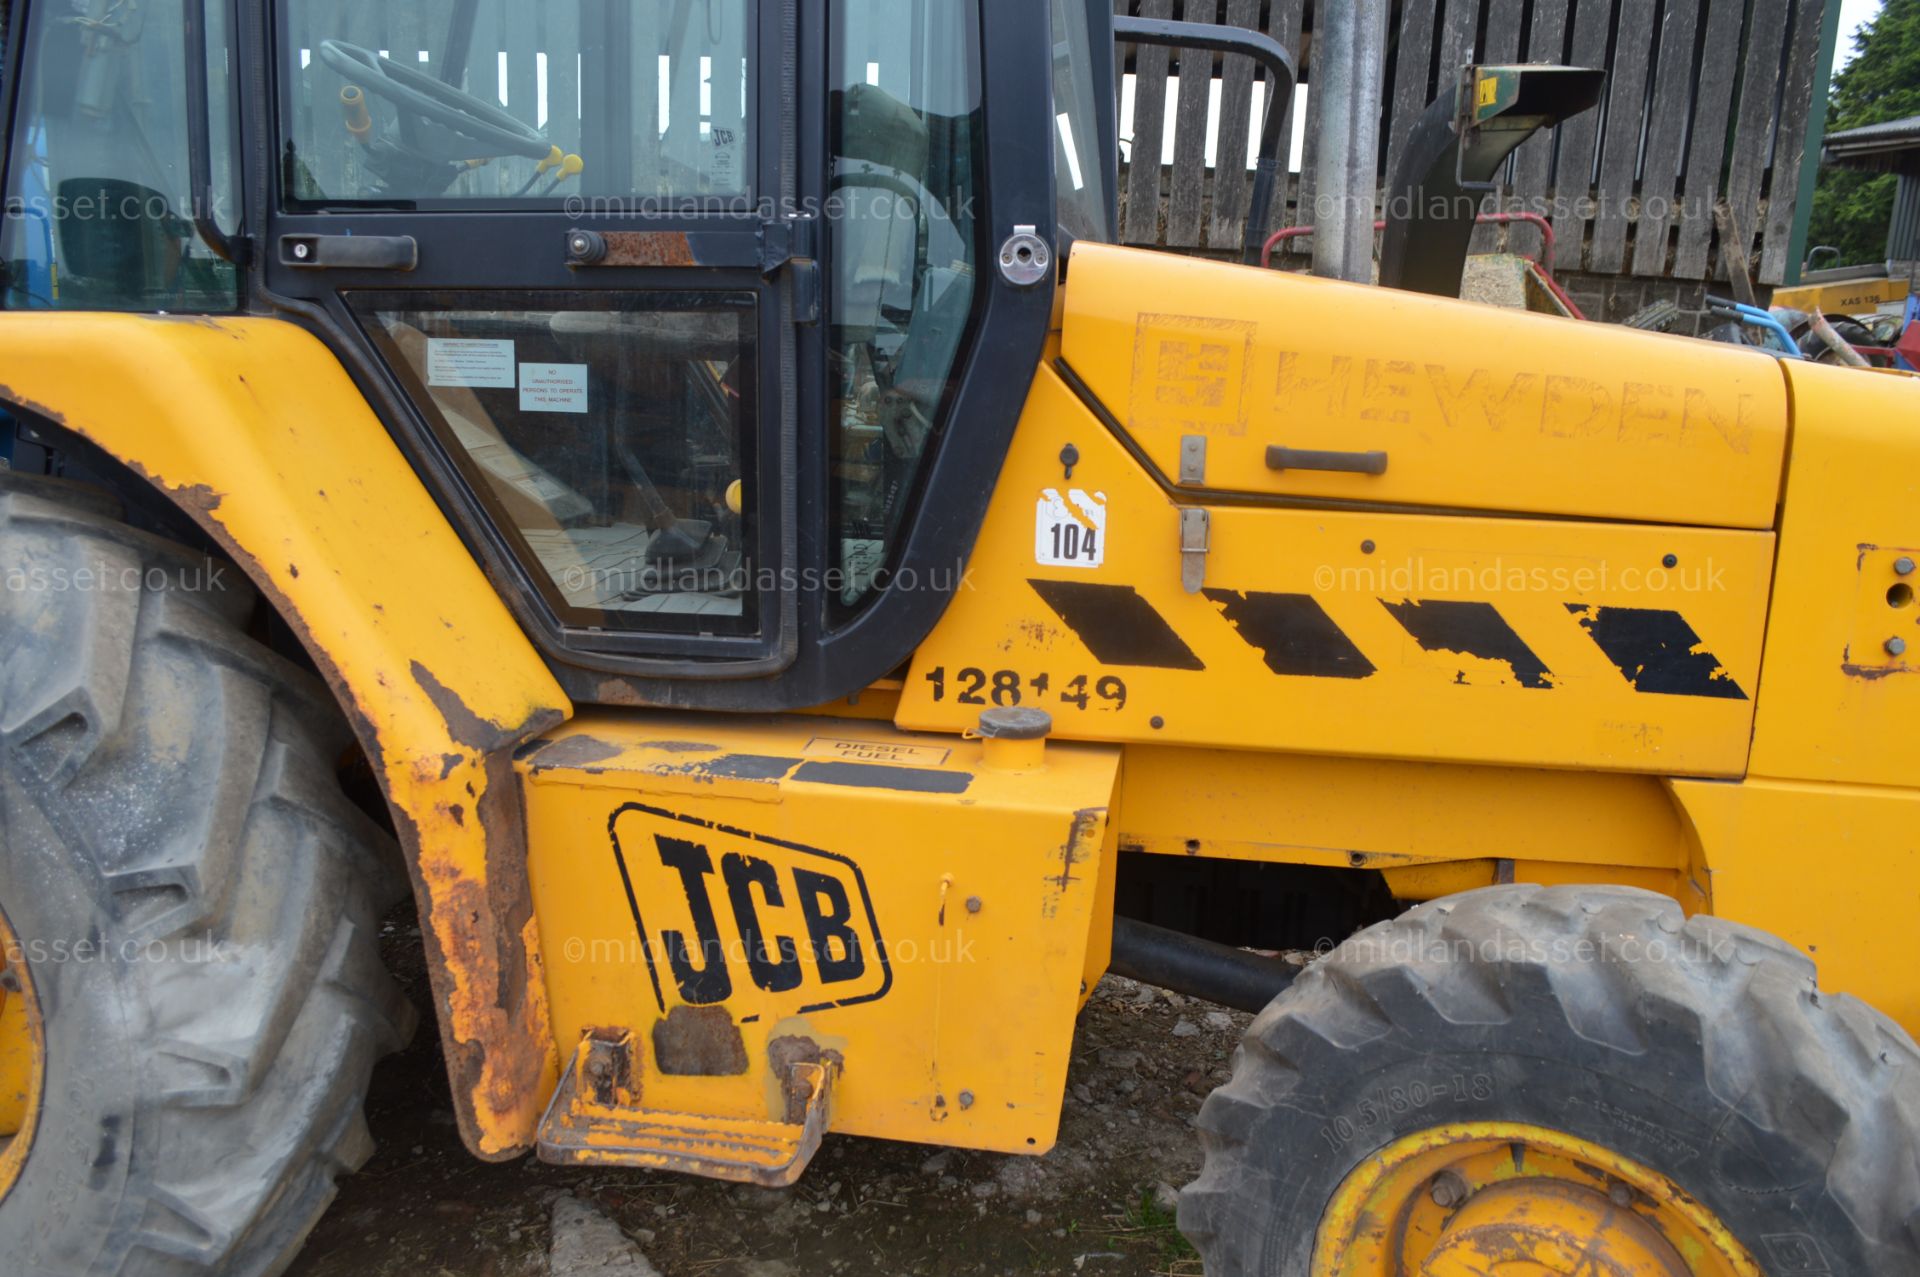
{"x":195,"y":907}
{"x":1562,"y":1080}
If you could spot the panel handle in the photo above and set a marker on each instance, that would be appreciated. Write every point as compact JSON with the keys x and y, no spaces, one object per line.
{"x":1279,"y":458}
{"x":350,"y":252}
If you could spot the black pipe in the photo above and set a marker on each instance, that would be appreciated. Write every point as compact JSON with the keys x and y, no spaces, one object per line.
{"x":1433,"y":201}
{"x":1198,"y":968}
{"x":1262,"y":48}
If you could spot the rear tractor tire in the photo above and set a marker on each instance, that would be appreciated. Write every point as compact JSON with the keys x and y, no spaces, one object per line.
{"x":1562,"y":1080}
{"x":192,"y":997}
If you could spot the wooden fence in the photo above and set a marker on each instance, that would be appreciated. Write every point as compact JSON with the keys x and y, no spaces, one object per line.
{"x":1706,"y":107}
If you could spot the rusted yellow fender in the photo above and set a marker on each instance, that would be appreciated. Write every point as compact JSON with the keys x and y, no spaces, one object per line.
{"x":253,"y":427}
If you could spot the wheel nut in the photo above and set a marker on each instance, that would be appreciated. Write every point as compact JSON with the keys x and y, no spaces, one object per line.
{"x":1896,"y":646}
{"x":1903,"y":565}
{"x":966,"y":1099}
{"x":1448,"y":1190}
{"x":1621,"y":1194}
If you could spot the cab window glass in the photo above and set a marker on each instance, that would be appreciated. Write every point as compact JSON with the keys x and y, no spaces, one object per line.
{"x":99,"y":209}
{"x":608,"y":434}
{"x":511,"y":99}
{"x":1080,"y":177}
{"x":906,"y":165}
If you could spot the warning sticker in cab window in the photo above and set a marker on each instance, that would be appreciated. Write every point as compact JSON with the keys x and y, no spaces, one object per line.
{"x":553,"y":387}
{"x":459,"y":361}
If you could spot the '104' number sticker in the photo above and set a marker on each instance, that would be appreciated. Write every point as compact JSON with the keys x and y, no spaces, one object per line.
{"x":1070,"y":531}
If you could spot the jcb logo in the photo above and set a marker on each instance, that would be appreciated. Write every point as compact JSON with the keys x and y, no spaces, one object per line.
{"x":721,"y":912}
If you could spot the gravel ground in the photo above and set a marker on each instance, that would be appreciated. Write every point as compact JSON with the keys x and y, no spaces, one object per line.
{"x":1100,"y":1203}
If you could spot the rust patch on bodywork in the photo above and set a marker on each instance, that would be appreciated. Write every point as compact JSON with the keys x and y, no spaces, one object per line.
{"x":783,"y":1054}
{"x":699,"y":1042}
{"x":648,"y":248}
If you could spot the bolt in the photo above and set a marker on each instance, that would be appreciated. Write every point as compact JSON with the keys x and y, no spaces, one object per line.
{"x":1903,"y":565}
{"x":1896,"y":646}
{"x":966,"y":1099}
{"x":1448,"y":1190}
{"x":1671,"y":561}
{"x":973,"y":904}
{"x":1620,"y":1193}
{"x":1156,"y":722}
{"x":10,"y":981}
{"x":1366,"y":547}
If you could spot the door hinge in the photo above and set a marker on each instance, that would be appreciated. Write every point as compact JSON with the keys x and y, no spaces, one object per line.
{"x":1196,"y":529}
{"x":792,"y":244}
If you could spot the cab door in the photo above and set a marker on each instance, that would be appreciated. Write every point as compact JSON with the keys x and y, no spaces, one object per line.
{"x":561,"y":242}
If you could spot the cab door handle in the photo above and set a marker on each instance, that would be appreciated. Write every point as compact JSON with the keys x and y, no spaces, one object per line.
{"x":1279,"y":458}
{"x":350,"y":252}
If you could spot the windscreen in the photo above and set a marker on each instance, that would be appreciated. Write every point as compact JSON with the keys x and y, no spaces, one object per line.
{"x":420,"y":100}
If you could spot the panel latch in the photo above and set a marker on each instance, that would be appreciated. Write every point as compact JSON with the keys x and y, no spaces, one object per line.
{"x":1196,"y":528}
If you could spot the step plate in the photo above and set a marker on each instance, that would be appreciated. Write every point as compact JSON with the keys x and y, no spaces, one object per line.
{"x":603,"y":1125}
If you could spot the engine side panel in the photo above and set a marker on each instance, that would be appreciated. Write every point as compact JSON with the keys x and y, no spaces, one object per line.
{"x":1455,"y":638}
{"x":1476,"y":408}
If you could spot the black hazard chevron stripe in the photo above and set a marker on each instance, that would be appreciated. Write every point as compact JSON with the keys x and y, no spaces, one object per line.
{"x":1657,"y":651}
{"x":1117,"y":625}
{"x":1293,"y":633}
{"x":1470,"y":629}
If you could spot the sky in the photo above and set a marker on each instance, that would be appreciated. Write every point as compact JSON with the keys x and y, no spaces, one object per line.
{"x":1854,"y":14}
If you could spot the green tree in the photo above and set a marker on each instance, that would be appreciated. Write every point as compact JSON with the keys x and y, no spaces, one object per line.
{"x":1851,"y":209}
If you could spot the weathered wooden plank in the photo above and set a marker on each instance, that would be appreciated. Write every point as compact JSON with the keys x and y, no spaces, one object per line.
{"x":300,"y":80}
{"x":519,"y":40}
{"x":1533,"y":162}
{"x":1227,"y":224}
{"x":1753,"y":127}
{"x":523,"y":69}
{"x":648,"y":41}
{"x":1306,"y":191}
{"x":562,"y":41}
{"x":1284,"y":23}
{"x":1666,"y":136}
{"x":482,"y":79}
{"x":1185,"y":198}
{"x":729,"y":150}
{"x":1456,"y":42}
{"x":1712,"y":105}
{"x":1412,"y":78}
{"x":1620,"y":150}
{"x":1796,"y":100}
{"x":1501,"y":44}
{"x":1573,"y":175}
{"x":1142,"y":222}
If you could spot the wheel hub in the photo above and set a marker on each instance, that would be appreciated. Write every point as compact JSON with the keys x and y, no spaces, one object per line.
{"x":22,"y":1047}
{"x":1491,"y":1199}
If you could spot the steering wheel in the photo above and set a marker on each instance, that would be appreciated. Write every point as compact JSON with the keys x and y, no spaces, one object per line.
{"x":413,"y":90}
{"x":871,"y":176}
